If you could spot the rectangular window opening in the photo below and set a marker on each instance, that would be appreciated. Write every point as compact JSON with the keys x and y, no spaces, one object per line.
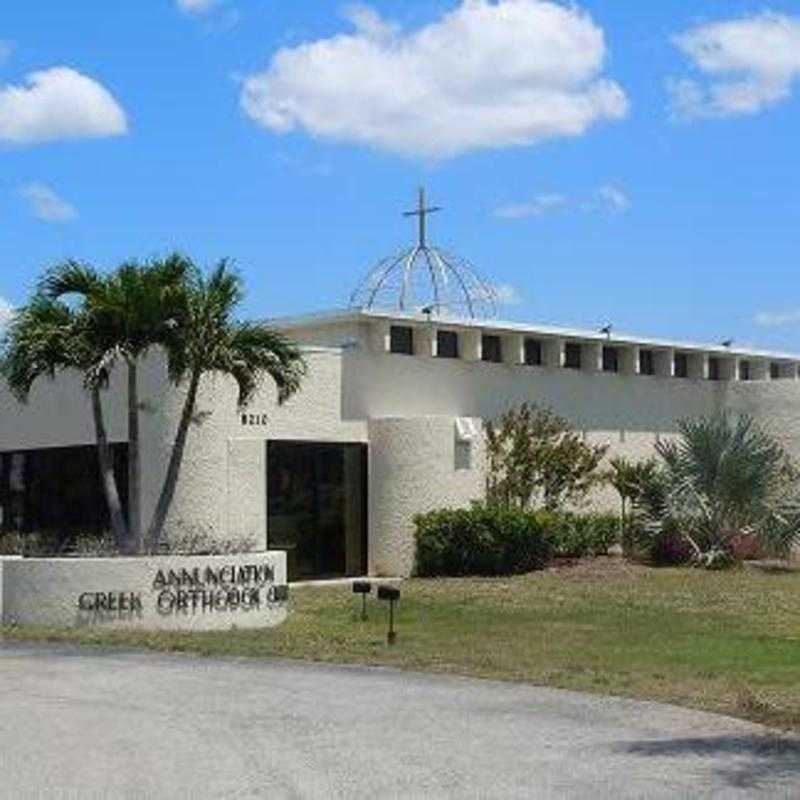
{"x":714,"y":369}
{"x":610,"y":359}
{"x":447,"y":344}
{"x":745,"y":373}
{"x":401,"y":340}
{"x":533,"y":352}
{"x":647,"y":362}
{"x":572,"y":355}
{"x":492,"y":349}
{"x":681,"y":364}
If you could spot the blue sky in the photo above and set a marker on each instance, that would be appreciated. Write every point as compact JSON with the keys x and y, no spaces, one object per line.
{"x":626,"y":162}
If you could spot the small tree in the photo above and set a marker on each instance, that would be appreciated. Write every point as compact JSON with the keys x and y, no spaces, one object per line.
{"x":535,"y":458}
{"x":631,"y":479}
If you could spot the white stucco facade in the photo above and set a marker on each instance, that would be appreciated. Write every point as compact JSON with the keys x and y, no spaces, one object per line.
{"x":419,"y":415}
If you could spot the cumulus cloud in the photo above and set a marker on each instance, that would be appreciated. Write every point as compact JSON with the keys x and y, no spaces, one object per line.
{"x":46,"y":204}
{"x":778,"y":319}
{"x":747,"y":65}
{"x":6,"y":312}
{"x":540,"y":205}
{"x":58,"y":103}
{"x":491,"y":73}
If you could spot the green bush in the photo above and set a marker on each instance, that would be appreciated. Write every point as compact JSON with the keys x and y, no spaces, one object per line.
{"x":494,"y":540}
{"x":579,"y":535}
{"x":482,"y":540}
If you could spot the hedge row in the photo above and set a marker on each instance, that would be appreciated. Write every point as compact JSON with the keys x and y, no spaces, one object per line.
{"x":493,"y":540}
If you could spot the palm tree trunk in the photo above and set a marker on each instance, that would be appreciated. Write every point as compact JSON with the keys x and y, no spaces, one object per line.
{"x":118,"y":526}
{"x":174,"y":466}
{"x":134,"y":474}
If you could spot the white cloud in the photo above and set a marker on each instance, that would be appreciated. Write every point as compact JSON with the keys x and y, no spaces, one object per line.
{"x":6,"y":312}
{"x":778,"y":319}
{"x":609,"y":197}
{"x":614,"y":198}
{"x":540,"y":205}
{"x":6,"y":49}
{"x":487,"y":74}
{"x":748,"y":64}
{"x":58,"y":103}
{"x":47,"y":204}
{"x":196,"y":6}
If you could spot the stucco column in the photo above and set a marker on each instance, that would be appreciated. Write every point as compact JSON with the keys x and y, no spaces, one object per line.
{"x":629,"y":360}
{"x":728,"y":369}
{"x":471,"y":349}
{"x":759,"y":369}
{"x":664,"y":363}
{"x":425,"y":341}
{"x":553,"y":353}
{"x":513,"y":349}
{"x":592,"y":357}
{"x":697,"y":364}
{"x":380,"y":336}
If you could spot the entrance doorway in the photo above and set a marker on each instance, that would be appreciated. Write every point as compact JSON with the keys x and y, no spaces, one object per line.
{"x":317,"y":507}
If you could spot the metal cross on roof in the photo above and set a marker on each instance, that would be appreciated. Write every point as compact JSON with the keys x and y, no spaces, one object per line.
{"x":422,"y":212}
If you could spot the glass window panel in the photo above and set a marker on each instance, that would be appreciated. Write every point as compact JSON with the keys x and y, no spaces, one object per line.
{"x":401,"y":340}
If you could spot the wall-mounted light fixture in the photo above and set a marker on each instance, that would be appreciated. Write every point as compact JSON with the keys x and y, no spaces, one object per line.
{"x":392,"y":595}
{"x":363,"y":588}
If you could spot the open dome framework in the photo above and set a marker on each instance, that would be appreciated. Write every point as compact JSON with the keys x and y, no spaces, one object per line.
{"x":424,"y":278}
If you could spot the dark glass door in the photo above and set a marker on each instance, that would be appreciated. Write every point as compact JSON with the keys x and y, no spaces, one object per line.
{"x":316,"y":507}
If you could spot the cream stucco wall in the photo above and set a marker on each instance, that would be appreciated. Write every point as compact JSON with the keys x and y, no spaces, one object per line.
{"x":416,"y":465}
{"x":403,"y":406}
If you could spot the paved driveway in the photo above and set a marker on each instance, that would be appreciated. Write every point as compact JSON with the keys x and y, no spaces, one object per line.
{"x":77,"y":722}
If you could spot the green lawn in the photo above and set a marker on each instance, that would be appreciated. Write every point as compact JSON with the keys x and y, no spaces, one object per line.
{"x":720,"y":641}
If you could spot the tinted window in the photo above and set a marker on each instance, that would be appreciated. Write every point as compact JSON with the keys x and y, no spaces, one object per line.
{"x":646,"y":362}
{"x":774,"y":370}
{"x":447,"y":344}
{"x":572,"y":356}
{"x":401,"y":340}
{"x":610,"y":359}
{"x":57,"y":491}
{"x":492,"y":349}
{"x":533,"y":352}
{"x":744,"y":371}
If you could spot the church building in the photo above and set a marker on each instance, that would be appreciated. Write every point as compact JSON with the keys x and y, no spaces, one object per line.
{"x":388,"y":423}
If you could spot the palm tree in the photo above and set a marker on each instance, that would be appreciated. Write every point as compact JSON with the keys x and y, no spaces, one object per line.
{"x":724,"y":476}
{"x":207,"y":339}
{"x":128,"y":311}
{"x":45,"y":337}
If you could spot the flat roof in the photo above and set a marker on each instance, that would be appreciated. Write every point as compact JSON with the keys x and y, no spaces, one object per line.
{"x":344,"y":315}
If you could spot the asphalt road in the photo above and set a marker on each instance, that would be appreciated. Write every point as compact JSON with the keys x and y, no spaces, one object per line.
{"x":109,"y":724}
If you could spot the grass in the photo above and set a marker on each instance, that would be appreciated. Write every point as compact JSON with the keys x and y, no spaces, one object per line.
{"x":727,"y":642}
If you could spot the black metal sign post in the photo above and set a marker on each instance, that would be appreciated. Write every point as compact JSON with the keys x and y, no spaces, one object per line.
{"x":363,"y":588}
{"x":392,"y":595}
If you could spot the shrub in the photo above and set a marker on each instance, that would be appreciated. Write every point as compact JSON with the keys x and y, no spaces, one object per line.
{"x":536,"y":458}
{"x":482,"y":540}
{"x":495,"y":540}
{"x":579,"y":535}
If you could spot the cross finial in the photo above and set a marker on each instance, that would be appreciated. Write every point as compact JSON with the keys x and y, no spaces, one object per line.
{"x":422,"y":212}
